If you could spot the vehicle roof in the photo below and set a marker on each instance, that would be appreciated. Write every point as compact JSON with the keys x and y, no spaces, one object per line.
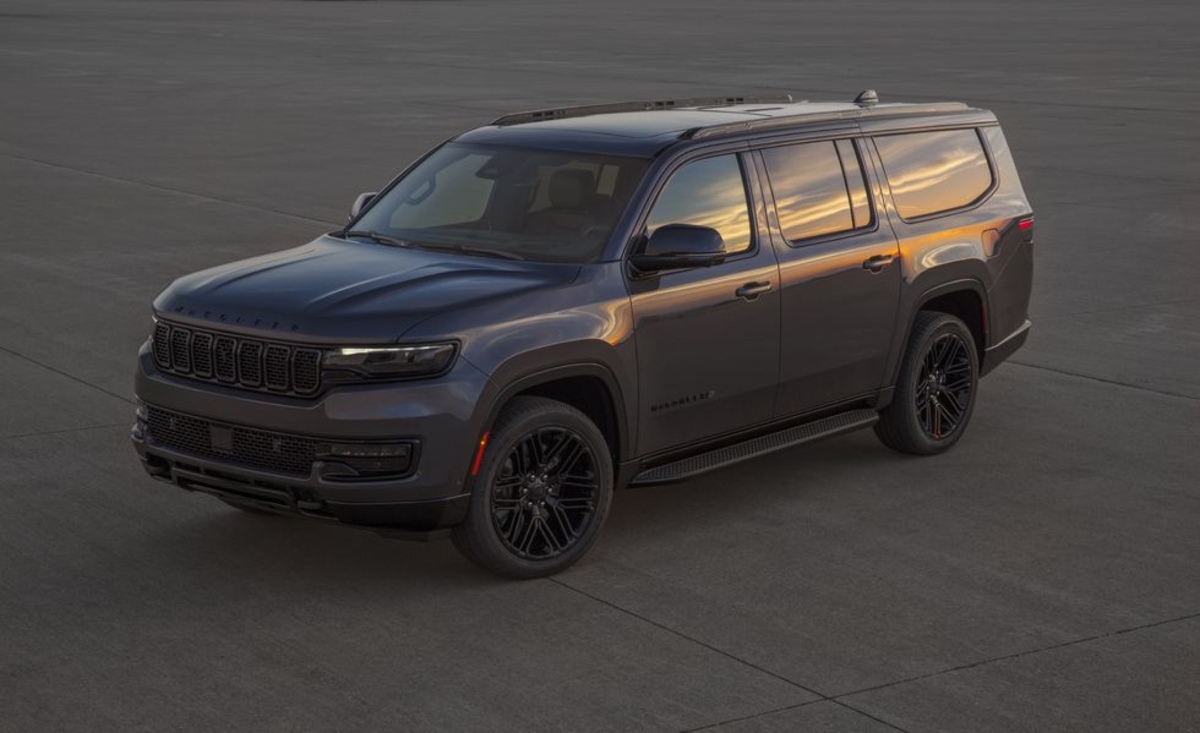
{"x":626,"y":129}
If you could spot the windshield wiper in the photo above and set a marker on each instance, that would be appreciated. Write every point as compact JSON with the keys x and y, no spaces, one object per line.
{"x":378,"y":238}
{"x":464,"y":249}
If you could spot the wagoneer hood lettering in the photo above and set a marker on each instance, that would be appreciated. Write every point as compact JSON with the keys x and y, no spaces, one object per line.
{"x":337,"y":290}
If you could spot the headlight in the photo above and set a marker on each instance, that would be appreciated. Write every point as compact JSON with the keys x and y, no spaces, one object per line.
{"x":392,"y":361}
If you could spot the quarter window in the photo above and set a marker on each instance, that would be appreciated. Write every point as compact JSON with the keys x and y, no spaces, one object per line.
{"x":811,"y":191}
{"x":710,"y":193}
{"x":933,"y":172}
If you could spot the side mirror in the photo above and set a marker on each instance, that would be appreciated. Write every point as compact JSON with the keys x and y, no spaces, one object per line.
{"x":680,"y":245}
{"x":360,"y":202}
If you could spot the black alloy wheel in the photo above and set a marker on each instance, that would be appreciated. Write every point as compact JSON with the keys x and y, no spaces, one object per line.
{"x":944,"y":386}
{"x":935,"y":389}
{"x":544,"y":495}
{"x":542,"y":491}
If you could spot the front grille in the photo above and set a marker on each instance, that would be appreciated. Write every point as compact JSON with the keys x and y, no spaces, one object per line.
{"x":267,"y":451}
{"x":238,"y":362}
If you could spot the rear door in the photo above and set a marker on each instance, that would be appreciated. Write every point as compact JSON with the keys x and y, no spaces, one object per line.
{"x":839,"y":272}
{"x":708,"y":337}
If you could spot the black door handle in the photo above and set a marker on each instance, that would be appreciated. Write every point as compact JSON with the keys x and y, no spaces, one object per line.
{"x":878,"y":262}
{"x":750,"y":291}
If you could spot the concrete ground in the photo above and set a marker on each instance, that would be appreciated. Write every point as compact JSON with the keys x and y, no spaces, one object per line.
{"x":1044,"y":575}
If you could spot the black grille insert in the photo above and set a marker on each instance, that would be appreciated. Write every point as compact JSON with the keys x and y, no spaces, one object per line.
{"x":275,"y":367}
{"x":267,"y":451}
{"x":181,"y":355}
{"x":162,"y":345}
{"x":250,"y":363}
{"x":247,"y":363}
{"x":306,"y":370}
{"x":225,"y":359}
{"x":202,"y":354}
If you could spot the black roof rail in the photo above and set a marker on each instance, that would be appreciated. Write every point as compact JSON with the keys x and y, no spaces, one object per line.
{"x":766,"y":123}
{"x":562,"y":113}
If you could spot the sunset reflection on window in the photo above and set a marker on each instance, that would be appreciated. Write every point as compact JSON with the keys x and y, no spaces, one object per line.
{"x":810,"y":190}
{"x":709,"y":193}
{"x":931,"y":172}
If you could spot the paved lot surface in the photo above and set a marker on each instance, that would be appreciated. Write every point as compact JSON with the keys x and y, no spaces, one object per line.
{"x":1045,"y":575}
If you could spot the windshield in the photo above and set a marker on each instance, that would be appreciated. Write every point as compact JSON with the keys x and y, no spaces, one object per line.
{"x":507,"y":202}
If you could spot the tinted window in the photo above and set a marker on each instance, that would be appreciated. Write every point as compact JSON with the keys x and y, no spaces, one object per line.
{"x":708,"y":193}
{"x":508,"y":202}
{"x":859,"y":203}
{"x":810,"y":190}
{"x":451,"y":195}
{"x":931,"y":172}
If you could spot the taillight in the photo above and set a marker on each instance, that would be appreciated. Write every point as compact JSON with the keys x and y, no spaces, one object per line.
{"x":1026,"y":227}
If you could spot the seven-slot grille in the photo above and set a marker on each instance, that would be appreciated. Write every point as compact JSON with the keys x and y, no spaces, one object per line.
{"x":248,"y":447}
{"x":237,"y":361}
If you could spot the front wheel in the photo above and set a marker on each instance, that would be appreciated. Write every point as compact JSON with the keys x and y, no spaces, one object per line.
{"x":935,"y":392}
{"x":542,"y":492}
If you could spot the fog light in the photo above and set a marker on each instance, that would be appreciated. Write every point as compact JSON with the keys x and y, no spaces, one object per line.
{"x":398,"y":450}
{"x":366,"y":460}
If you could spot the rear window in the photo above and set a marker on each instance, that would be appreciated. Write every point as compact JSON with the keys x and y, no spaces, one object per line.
{"x":934,"y":172}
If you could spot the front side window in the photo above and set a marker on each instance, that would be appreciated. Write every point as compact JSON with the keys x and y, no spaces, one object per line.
{"x":710,"y":193}
{"x":933,"y":172}
{"x":508,"y":202}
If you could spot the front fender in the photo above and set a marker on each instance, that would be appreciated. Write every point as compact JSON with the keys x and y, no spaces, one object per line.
{"x":522,"y":374}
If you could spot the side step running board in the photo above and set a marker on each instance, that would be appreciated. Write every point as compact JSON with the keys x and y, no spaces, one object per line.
{"x":764,"y":444}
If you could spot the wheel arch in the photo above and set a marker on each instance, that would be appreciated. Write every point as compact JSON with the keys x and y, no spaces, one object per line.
{"x":590,"y":387}
{"x":965,"y":300}
{"x":964,"y":296}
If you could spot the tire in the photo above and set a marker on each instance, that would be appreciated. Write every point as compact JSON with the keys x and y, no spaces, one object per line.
{"x":938,"y":383}
{"x":542,"y":492}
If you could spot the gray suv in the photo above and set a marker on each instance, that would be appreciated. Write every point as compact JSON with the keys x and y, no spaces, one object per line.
{"x":569,"y":301}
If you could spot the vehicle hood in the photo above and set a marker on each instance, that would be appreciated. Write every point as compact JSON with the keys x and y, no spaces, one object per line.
{"x":331,"y":290}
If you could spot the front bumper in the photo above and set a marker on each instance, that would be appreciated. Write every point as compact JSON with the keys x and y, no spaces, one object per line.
{"x":435,"y":415}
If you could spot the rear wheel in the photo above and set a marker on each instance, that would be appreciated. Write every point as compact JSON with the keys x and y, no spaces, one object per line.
{"x":542,"y":492}
{"x":935,"y":392}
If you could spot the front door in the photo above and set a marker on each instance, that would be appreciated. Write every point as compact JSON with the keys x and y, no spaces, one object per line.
{"x":839,"y":271}
{"x":707,"y":338}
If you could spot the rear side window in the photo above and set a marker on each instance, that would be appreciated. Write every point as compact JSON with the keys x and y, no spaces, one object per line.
{"x":934,"y":172}
{"x":819,"y":189}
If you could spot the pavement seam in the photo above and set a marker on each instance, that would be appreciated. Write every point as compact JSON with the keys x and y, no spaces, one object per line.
{"x":1152,"y":390}
{"x":72,"y":377}
{"x":64,"y":430}
{"x":682,"y":635}
{"x":1017,"y":655}
{"x":840,"y":93}
{"x":1106,"y":174}
{"x":168,"y":189}
{"x":865,"y":714}
{"x":822,"y":697}
{"x":752,"y":716}
{"x":1118,"y":309}
{"x":839,"y":699}
{"x":731,"y":721}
